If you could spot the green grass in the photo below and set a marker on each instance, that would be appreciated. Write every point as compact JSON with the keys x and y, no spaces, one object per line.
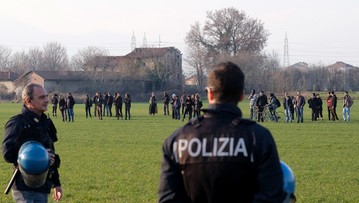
{"x":119,"y":160}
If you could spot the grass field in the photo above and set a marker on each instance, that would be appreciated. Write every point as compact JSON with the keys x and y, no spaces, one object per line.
{"x":119,"y":160}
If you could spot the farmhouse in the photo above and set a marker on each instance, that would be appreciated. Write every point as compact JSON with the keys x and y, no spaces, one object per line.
{"x":6,"y":81}
{"x":141,"y":71}
{"x":163,"y":66}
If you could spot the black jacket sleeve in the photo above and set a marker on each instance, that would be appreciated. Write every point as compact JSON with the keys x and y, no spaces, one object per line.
{"x":171,"y":188}
{"x":270,"y":177}
{"x":9,"y":147}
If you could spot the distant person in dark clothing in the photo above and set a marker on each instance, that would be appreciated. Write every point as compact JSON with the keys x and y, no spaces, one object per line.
{"x":118,"y":105}
{"x":292,"y":109}
{"x":262,"y":101}
{"x":153,"y":104}
{"x":105,"y":104}
{"x":334,"y":106}
{"x":173,"y":105}
{"x":70,"y":102}
{"x":288,"y":106}
{"x":166,"y":101}
{"x":98,"y":104}
{"x":176,"y":107}
{"x":272,"y":106}
{"x":88,"y":105}
{"x":54,"y":102}
{"x":95,"y":106}
{"x":320,"y":107}
{"x":313,"y":104}
{"x":183,"y":102}
{"x":109,"y":103}
{"x":127,"y":102}
{"x":62,"y":107}
{"x":299,"y":106}
{"x":197,"y":105}
{"x":188,"y":109}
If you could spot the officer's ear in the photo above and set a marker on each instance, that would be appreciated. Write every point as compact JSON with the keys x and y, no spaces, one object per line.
{"x":210,"y":95}
{"x":242,"y":96}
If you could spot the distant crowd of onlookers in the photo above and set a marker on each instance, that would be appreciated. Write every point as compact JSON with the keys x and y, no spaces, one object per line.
{"x":184,"y":105}
{"x":294,"y":105}
{"x":102,"y":104}
{"x":191,"y":105}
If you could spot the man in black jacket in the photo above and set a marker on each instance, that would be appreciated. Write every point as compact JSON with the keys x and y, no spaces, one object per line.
{"x":166,"y":101}
{"x":221,"y":157}
{"x":334,"y":106}
{"x":54,"y":102}
{"x":32,"y":124}
{"x":313,"y":104}
{"x":70,"y":102}
{"x":262,"y":101}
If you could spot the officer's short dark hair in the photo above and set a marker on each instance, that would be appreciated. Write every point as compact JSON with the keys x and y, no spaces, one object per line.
{"x":227,"y":82}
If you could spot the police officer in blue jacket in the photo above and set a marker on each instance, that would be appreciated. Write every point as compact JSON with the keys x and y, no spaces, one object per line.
{"x":32,"y":125}
{"x":221,"y":157}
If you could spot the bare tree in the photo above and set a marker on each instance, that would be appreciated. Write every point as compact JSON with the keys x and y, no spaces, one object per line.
{"x":229,"y":34}
{"x":133,"y":69}
{"x":159,"y":73}
{"x":197,"y":59}
{"x":5,"y":58}
{"x":229,"y":31}
{"x":35,"y":56}
{"x":20,"y":62}
{"x":87,"y":59}
{"x":55,"y":57}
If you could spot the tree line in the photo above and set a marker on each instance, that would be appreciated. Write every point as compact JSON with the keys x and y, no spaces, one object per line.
{"x":231,"y":35}
{"x":51,"y":57}
{"x":226,"y":35}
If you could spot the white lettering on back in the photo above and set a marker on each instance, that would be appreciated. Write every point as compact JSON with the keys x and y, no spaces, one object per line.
{"x":197,"y":151}
{"x":241,"y":148}
{"x":224,"y":141}
{"x":219,"y":147}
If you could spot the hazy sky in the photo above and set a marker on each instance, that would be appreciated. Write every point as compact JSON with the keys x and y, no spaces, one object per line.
{"x":319,"y":31}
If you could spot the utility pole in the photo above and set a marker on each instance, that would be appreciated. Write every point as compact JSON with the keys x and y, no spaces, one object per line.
{"x":144,"y":41}
{"x":286,"y":52}
{"x":133,"y":41}
{"x":159,"y":41}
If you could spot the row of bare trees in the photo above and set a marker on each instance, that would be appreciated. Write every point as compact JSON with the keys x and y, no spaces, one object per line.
{"x":226,"y":35}
{"x":52,"y":56}
{"x":230,"y":35}
{"x":96,"y":63}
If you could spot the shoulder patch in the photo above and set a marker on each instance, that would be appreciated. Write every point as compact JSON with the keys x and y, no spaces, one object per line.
{"x":196,"y":122}
{"x":237,"y":121}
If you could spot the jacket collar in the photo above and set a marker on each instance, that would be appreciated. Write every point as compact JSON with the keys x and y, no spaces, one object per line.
{"x":223,"y":108}
{"x":31,"y":116}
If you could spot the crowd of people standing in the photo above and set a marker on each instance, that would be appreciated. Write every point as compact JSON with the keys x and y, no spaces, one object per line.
{"x":186,"y":105}
{"x":66,"y":106}
{"x":294,"y":105}
{"x":102,"y":103}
